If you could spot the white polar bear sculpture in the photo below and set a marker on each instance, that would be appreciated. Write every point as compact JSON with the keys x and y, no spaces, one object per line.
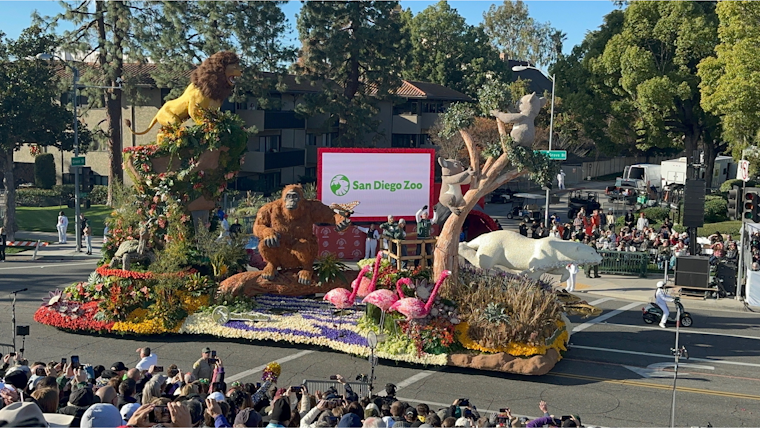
{"x":526,"y":256}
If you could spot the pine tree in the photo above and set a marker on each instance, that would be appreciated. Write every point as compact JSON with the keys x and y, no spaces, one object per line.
{"x":352,"y":50}
{"x":103,"y":29}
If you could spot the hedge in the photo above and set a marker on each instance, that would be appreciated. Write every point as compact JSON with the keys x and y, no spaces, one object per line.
{"x":58,"y":195}
{"x":44,"y":171}
{"x":716,"y":209}
{"x":657,"y":213}
{"x":731,"y":227}
{"x":729,"y":184}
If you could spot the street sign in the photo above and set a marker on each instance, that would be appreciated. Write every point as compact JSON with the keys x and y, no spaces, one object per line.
{"x":555,"y":154}
{"x":742,"y":172}
{"x":77,"y":161}
{"x":84,"y":195}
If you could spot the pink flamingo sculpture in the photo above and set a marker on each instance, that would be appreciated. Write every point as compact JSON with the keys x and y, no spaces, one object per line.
{"x":413,"y":308}
{"x":363,"y":292}
{"x":342,"y":298}
{"x":384,"y":299}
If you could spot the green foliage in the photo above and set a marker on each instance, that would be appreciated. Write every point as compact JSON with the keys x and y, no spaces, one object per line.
{"x":729,"y":184}
{"x":444,"y":49}
{"x":729,"y":77}
{"x":99,"y":195}
{"x":651,"y":65}
{"x":226,"y":255}
{"x":519,"y":36}
{"x":496,"y":314}
{"x":44,"y":171}
{"x":500,"y":96}
{"x":716,"y":209}
{"x":731,"y":227}
{"x":354,"y":45}
{"x":458,"y":116}
{"x":329,"y":268}
{"x":542,"y":170}
{"x":657,"y":214}
{"x":33,"y":197}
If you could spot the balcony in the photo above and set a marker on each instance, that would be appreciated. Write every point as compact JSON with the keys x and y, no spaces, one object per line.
{"x":283,"y":120}
{"x":261,"y":162}
{"x":406,"y":124}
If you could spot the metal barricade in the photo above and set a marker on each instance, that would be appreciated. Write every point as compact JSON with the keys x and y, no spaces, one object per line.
{"x":361,"y":388}
{"x":624,"y":263}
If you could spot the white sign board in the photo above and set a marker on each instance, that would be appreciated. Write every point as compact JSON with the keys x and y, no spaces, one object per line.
{"x":385,"y":182}
{"x":742,"y":172}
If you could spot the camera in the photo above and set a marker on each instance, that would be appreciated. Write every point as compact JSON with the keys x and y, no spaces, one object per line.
{"x":464,"y":402}
{"x":164,"y":413}
{"x":362,"y":378}
{"x":333,"y":377}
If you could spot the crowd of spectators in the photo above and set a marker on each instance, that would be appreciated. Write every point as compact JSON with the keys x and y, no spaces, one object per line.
{"x":68,"y":394}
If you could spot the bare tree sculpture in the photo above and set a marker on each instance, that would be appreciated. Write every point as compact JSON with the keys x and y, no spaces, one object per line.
{"x":502,"y":162}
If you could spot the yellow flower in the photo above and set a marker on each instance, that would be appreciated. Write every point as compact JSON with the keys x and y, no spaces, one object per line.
{"x":513,"y":348}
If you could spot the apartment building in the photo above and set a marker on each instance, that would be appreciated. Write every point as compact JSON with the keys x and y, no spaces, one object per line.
{"x":284,"y":150}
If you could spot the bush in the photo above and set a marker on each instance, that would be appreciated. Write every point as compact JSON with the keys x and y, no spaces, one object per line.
{"x":32,"y":197}
{"x":99,"y":195}
{"x":728,"y":184}
{"x":657,"y":214}
{"x":732,"y":227}
{"x":716,"y":209}
{"x":44,"y":171}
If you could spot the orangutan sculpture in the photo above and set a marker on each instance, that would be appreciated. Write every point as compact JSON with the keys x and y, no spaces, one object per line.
{"x":284,"y":228}
{"x":211,"y":84}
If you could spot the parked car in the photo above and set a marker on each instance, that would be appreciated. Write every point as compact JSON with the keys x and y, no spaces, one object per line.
{"x":587,"y":200}
{"x":501,"y":196}
{"x":254,"y":257}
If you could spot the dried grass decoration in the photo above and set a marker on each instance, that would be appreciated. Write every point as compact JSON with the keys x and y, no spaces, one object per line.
{"x":503,"y":309}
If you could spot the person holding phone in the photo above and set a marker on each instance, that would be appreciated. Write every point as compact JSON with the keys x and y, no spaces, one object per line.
{"x":204,"y":367}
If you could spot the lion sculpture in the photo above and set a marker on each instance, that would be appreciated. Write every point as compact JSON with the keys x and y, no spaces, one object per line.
{"x":211,"y":84}
{"x":285,"y":231}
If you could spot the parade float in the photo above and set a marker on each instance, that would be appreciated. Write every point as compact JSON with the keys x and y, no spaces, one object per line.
{"x":164,"y":272}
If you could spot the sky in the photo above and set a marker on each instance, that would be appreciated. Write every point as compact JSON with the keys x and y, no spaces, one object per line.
{"x":575,"y":18}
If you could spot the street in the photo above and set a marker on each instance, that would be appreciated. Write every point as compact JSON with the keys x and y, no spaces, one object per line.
{"x":612,"y":375}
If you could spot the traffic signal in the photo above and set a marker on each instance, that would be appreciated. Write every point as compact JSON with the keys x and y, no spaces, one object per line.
{"x":751,"y":206}
{"x":734,"y":203}
{"x":87,"y":179}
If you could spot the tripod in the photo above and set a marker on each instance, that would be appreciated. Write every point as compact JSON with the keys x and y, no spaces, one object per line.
{"x":13,"y":319}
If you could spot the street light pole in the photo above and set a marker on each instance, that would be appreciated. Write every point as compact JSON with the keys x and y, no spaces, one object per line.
{"x":551,"y":131}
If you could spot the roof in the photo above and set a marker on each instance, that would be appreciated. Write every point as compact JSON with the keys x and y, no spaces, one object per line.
{"x":408,"y":89}
{"x":430,"y":91}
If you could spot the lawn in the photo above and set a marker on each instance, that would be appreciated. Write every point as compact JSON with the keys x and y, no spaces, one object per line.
{"x":44,"y":219}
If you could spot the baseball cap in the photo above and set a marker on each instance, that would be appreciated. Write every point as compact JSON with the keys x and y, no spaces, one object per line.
{"x":206,"y":350}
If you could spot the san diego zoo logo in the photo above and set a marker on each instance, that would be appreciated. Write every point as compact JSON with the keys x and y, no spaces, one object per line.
{"x":340,"y":185}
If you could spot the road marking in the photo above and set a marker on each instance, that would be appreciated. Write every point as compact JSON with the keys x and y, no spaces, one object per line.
{"x":606,"y":316}
{"x":600,"y":301}
{"x":656,"y":386}
{"x":685,"y":331}
{"x":416,"y":378}
{"x":649,"y":354}
{"x":255,"y":370}
{"x":658,"y":369}
{"x":55,"y":265}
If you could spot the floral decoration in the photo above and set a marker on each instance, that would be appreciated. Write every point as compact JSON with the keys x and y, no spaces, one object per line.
{"x":514,"y":348}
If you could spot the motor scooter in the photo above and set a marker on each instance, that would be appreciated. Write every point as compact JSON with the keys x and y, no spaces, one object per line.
{"x":653,"y":314}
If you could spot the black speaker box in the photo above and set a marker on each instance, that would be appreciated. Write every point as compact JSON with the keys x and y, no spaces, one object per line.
{"x":727,"y":272}
{"x":692,"y":271}
{"x":694,"y":203}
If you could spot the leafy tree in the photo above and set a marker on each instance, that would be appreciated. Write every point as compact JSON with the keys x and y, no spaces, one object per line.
{"x":652,"y":65}
{"x":731,"y":78}
{"x":29,"y":110}
{"x":592,"y":112}
{"x":352,"y":50}
{"x":444,"y":49}
{"x":105,"y":32}
{"x":179,"y":35}
{"x":518,"y":36}
{"x":44,"y":171}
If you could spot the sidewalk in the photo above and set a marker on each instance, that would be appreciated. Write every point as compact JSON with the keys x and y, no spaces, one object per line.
{"x":55,"y":251}
{"x":642,"y":290}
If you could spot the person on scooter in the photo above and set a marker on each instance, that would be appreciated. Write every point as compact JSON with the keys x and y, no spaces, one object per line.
{"x":662,"y":299}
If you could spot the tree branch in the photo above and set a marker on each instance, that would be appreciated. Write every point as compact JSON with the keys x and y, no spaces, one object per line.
{"x":472,"y":150}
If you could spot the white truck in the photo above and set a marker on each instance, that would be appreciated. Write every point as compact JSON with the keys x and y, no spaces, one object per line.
{"x":641,"y":176}
{"x":674,"y":171}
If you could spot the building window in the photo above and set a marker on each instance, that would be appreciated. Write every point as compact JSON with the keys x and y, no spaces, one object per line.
{"x":269,"y":143}
{"x":310,"y":172}
{"x":408,"y":107}
{"x":331,"y":139}
{"x":100,"y":180}
{"x":272,"y":103}
{"x":432,"y":107}
{"x":313,"y":139}
{"x":244,"y":106}
{"x":164,"y":94}
{"x":271,"y":181}
{"x":406,"y":141}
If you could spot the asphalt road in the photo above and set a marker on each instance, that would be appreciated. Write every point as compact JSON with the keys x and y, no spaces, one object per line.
{"x":592,"y":380}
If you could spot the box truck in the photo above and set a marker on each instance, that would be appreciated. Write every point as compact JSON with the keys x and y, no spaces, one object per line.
{"x":674,"y":171}
{"x":642,"y":176}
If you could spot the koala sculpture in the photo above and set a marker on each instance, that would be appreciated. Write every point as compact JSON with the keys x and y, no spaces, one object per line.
{"x":453,"y":176}
{"x":523,"y":128}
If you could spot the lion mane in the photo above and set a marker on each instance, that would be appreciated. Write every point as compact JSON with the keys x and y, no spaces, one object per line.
{"x":210,"y":84}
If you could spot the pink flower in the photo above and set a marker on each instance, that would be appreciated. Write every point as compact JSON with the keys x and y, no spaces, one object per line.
{"x":144,"y":290}
{"x":229,"y":175}
{"x":98,"y":287}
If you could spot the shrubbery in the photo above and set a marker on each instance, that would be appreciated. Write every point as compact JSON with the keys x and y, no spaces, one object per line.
{"x":728,"y":184}
{"x":716,"y":209}
{"x":58,"y":195}
{"x":44,"y":171}
{"x":657,"y":214}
